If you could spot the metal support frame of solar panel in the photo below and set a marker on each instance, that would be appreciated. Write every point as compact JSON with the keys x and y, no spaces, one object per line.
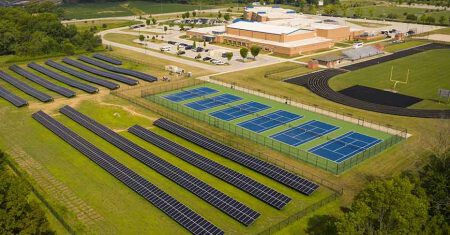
{"x":136,"y":74}
{"x":241,"y":181}
{"x":12,"y":98}
{"x":51,"y":86}
{"x":113,"y":76}
{"x":107,"y":59}
{"x":160,"y":199}
{"x":27,"y":89}
{"x":274,"y":172}
{"x":216,"y":198}
{"x":83,"y":76}
{"x":73,"y":83}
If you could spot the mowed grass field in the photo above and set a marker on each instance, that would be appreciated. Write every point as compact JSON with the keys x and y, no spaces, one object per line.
{"x":384,"y":11}
{"x":429,"y":71}
{"x":117,"y":9}
{"x":110,"y":24}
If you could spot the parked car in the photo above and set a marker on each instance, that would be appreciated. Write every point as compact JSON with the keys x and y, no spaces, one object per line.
{"x":180,"y":52}
{"x":188,"y":47}
{"x":410,"y":32}
{"x":198,"y":57}
{"x":184,"y":44}
{"x":199,"y":49}
{"x":358,"y":45}
{"x":172,"y":43}
{"x":165,"y":48}
{"x":213,"y":61}
{"x":392,"y":31}
{"x":218,"y":62}
{"x":207,"y":58}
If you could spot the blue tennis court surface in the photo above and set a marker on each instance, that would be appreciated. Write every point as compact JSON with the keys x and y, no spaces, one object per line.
{"x":269,"y":121}
{"x":213,"y":102}
{"x":239,"y":111}
{"x":305,"y":132}
{"x":189,"y":94}
{"x":345,"y":146}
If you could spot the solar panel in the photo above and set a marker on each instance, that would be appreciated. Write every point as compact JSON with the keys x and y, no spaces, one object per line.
{"x":73,"y":83}
{"x":25,"y":87}
{"x":83,"y":76}
{"x":163,"y":201}
{"x":107,"y":59}
{"x":51,"y":86}
{"x":136,"y":74}
{"x":13,"y":99}
{"x":274,"y":172}
{"x":117,"y":77}
{"x":221,"y":201}
{"x":233,"y":177}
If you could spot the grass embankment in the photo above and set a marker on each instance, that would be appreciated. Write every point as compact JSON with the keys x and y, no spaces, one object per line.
{"x":427,"y":74}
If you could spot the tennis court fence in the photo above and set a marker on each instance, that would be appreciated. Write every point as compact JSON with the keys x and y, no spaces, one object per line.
{"x":151,"y":93}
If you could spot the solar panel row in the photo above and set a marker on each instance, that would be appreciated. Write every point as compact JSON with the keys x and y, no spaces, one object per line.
{"x":82,"y":86}
{"x":83,"y":76}
{"x":107,"y":59}
{"x":25,"y":87}
{"x":274,"y":172}
{"x":102,"y":73}
{"x":13,"y":99}
{"x":221,"y":201}
{"x":170,"y":206}
{"x":53,"y":87}
{"x":111,"y":68}
{"x":233,"y":177}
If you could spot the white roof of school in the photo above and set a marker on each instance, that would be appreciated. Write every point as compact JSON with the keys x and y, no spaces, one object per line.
{"x":265,"y":28}
{"x":209,"y":30}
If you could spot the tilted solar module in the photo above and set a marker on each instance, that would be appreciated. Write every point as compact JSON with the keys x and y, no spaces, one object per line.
{"x":13,"y":99}
{"x":241,"y":181}
{"x":113,"y":76}
{"x":160,"y":199}
{"x":73,"y":83}
{"x":274,"y":172}
{"x":25,"y":87}
{"x":136,"y":74}
{"x":83,"y":76}
{"x":107,"y":59}
{"x":53,"y":87}
{"x":216,"y":198}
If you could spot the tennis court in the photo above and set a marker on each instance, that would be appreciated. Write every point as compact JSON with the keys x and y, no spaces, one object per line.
{"x":345,"y":146}
{"x":190,"y":94}
{"x":213,"y":102}
{"x":269,"y":121}
{"x":305,"y":132}
{"x":239,"y":111}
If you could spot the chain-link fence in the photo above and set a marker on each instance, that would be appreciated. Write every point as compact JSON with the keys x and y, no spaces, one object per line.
{"x":151,"y":94}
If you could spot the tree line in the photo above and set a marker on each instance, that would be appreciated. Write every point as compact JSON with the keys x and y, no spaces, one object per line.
{"x":36,"y":30}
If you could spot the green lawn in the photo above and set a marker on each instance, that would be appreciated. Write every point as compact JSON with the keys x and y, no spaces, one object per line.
{"x":157,"y":8}
{"x":428,"y":73}
{"x":393,"y":47}
{"x":110,"y":24}
{"x":383,"y":11}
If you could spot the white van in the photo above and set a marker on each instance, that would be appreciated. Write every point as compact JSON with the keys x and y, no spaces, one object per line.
{"x":165,"y":48}
{"x":358,"y":45}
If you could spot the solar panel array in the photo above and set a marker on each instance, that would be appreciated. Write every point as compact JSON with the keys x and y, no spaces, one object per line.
{"x":13,"y":99}
{"x":136,"y":74}
{"x":83,"y":76}
{"x":25,"y":87}
{"x":221,"y":201}
{"x":53,"y":87}
{"x":117,"y":77}
{"x":170,"y":206}
{"x":274,"y":172}
{"x":233,"y":177}
{"x":73,"y":83}
{"x":107,"y":59}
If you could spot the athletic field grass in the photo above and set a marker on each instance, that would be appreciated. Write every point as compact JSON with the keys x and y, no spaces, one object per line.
{"x":428,"y":72}
{"x":115,"y":9}
{"x":343,"y":127}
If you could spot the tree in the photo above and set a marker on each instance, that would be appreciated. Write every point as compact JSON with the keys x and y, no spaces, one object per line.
{"x":430,"y":20}
{"x":194,"y":14}
{"x":371,"y":12}
{"x":194,"y":45}
{"x":68,"y":48}
{"x":423,"y":18}
{"x":386,"y":207}
{"x":254,"y":50}
{"x":442,"y":19}
{"x":358,"y":12}
{"x":18,"y":214}
{"x":244,"y":53}
{"x":204,"y":43}
{"x":165,"y":29}
{"x":147,"y":21}
{"x":226,"y":17}
{"x":154,"y":21}
{"x":219,"y":15}
{"x":141,"y":38}
{"x":171,"y":24}
{"x":411,"y":17}
{"x":229,"y":56}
